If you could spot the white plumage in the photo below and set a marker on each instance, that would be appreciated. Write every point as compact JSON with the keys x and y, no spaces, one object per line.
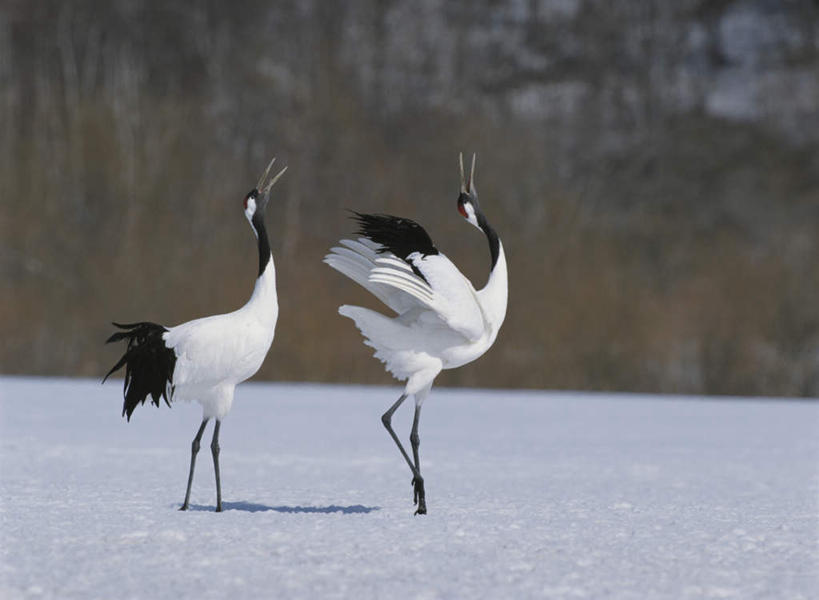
{"x":204,"y":359}
{"x":441,"y":322}
{"x":214,"y":354}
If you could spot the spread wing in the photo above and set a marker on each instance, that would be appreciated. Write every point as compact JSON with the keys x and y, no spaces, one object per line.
{"x":397,"y":262}
{"x":356,"y":260}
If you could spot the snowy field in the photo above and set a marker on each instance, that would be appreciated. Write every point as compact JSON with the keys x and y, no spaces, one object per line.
{"x":530,"y":495}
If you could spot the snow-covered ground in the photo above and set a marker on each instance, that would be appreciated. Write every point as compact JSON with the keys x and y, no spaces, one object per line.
{"x":530,"y":495}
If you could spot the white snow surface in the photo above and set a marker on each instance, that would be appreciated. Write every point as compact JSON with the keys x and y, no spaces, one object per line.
{"x":530,"y":495}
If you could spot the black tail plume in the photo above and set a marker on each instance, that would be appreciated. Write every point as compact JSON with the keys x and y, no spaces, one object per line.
{"x":148,"y":363}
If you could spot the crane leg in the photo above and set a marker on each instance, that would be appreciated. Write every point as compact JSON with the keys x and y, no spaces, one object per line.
{"x":417,"y":480}
{"x":194,"y":451}
{"x":214,"y":449}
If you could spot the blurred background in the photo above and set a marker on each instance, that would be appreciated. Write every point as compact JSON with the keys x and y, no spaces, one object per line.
{"x":652,"y":168}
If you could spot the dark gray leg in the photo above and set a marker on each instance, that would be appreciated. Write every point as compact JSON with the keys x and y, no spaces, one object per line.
{"x":214,"y":449}
{"x":386,"y":418}
{"x":418,"y":481}
{"x":194,"y":450}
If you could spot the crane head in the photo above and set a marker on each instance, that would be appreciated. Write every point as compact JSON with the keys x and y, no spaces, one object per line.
{"x":256,"y":199}
{"x":468,"y":198}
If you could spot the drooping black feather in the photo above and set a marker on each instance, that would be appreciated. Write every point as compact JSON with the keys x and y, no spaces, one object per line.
{"x":148,"y":363}
{"x":400,"y":236}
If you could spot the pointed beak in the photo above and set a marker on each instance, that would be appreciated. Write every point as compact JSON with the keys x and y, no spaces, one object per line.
{"x":467,"y":185}
{"x":264,"y":188}
{"x":265,"y":174}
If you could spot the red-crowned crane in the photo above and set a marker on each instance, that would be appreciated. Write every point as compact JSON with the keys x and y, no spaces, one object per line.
{"x":442,"y":321}
{"x":206,"y":358}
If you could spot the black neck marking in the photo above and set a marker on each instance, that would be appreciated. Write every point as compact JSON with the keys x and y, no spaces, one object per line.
{"x":492,"y":236}
{"x":264,"y":245}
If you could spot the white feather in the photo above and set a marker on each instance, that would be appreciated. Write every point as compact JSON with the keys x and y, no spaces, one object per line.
{"x":442,"y":323}
{"x":214,"y":354}
{"x":361,"y":254}
{"x":392,"y":261}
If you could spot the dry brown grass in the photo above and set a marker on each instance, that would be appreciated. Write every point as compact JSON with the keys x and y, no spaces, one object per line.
{"x":683,"y":262}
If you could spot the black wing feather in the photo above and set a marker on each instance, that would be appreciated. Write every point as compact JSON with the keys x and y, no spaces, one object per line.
{"x":398,"y":235}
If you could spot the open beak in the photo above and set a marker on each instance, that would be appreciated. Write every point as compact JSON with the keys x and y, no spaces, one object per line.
{"x":468,"y":185}
{"x":264,"y":188}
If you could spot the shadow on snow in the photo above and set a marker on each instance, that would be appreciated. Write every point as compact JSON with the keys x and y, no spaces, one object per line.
{"x":353,"y":509}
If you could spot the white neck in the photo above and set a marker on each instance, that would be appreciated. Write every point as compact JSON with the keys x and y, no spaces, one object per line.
{"x":494,"y":295}
{"x":264,"y":301}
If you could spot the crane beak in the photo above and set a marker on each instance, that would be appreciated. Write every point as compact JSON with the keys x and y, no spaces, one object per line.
{"x":264,"y":188}
{"x":467,"y":185}
{"x":265,"y":174}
